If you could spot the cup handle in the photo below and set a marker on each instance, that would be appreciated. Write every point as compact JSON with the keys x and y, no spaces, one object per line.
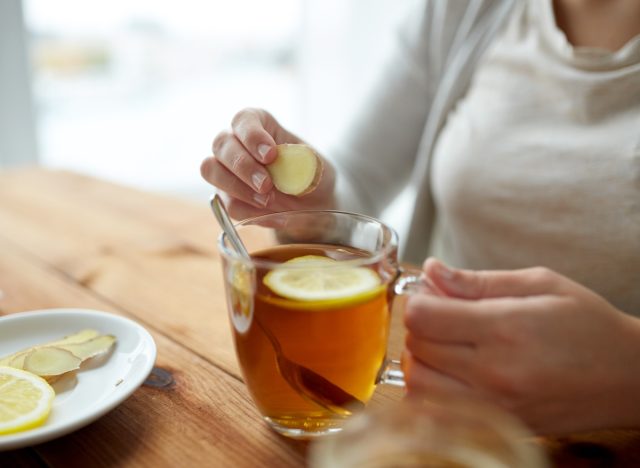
{"x":392,"y":374}
{"x":413,"y":280}
{"x":409,"y":281}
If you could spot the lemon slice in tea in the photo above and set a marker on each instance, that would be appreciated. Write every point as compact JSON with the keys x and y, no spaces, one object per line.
{"x":25,"y":400}
{"x":323,"y":279}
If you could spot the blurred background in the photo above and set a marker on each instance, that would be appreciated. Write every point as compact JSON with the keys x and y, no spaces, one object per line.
{"x":134,"y":91}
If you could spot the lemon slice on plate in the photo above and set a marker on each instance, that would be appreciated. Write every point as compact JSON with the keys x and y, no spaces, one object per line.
{"x":323,"y":281}
{"x":25,"y":400}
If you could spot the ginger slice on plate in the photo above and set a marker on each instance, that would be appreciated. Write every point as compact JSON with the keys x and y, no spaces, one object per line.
{"x":80,"y":337}
{"x":51,"y":361}
{"x":296,"y":170}
{"x":17,"y":359}
{"x":98,"y":345}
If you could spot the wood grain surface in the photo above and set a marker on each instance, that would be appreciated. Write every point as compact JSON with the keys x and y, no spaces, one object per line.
{"x":68,"y":240}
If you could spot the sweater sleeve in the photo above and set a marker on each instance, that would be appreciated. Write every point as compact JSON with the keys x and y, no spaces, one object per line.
{"x":376,"y":159}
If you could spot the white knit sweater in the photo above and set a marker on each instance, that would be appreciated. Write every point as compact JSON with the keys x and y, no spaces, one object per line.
{"x":522,"y":149}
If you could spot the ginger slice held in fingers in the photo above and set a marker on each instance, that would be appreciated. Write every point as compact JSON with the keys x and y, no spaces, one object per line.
{"x":296,"y":170}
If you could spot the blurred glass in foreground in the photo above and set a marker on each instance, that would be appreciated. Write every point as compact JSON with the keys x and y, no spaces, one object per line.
{"x":432,"y":435}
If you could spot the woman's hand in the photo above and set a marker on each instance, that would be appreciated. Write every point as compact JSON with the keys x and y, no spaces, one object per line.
{"x":237,"y":168}
{"x":532,"y":341}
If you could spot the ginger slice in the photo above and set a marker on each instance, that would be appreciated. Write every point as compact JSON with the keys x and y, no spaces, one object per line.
{"x":54,"y":359}
{"x":296,"y":170}
{"x":51,"y":361}
{"x":17,"y":359}
{"x":80,"y":337}
{"x":88,"y":349}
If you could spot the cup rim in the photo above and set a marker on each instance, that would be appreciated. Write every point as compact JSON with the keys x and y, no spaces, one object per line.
{"x":374,"y":258}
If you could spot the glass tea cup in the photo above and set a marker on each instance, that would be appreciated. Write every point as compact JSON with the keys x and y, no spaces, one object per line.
{"x":310,"y":314}
{"x":430,"y":434}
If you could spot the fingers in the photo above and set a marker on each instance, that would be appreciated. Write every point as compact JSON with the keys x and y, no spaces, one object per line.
{"x":251,"y":126}
{"x":489,"y":284}
{"x":259,"y":132}
{"x":217,"y":174}
{"x":240,"y":210}
{"x":243,"y":153}
{"x":424,"y":381}
{"x":454,"y":359}
{"x":238,"y":166}
{"x":234,"y":156}
{"x":448,"y":320}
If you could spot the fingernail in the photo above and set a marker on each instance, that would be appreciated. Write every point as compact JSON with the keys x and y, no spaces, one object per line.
{"x":451,"y":283}
{"x":444,"y":272}
{"x":258,"y":179}
{"x":263,"y":150}
{"x":261,"y":199}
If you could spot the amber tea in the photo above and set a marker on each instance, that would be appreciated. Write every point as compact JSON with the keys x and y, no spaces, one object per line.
{"x":299,"y":321}
{"x":310,"y":314}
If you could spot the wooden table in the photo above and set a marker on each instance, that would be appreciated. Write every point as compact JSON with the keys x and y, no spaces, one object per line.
{"x":68,"y":240}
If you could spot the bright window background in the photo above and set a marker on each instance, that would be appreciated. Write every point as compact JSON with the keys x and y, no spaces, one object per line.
{"x":135,"y":90}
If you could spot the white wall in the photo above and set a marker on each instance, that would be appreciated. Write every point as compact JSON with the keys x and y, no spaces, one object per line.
{"x":148,"y":116}
{"x":17,"y":129}
{"x":344,"y":44}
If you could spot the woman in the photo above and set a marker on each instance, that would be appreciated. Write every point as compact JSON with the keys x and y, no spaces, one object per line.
{"x":518,"y":125}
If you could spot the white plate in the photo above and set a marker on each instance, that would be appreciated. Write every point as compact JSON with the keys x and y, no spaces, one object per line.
{"x":98,"y":386}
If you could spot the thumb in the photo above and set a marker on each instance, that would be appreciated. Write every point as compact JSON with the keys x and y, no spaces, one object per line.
{"x":470,"y":284}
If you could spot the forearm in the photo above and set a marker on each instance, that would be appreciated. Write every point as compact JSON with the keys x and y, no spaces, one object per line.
{"x":377,"y":154}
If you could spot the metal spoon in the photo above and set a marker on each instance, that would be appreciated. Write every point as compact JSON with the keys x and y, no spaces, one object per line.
{"x":303,"y":380}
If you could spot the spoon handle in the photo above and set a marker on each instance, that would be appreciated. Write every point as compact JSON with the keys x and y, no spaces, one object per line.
{"x":227,"y":226}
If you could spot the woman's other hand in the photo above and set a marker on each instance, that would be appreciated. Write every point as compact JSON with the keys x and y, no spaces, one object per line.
{"x":531,"y":341}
